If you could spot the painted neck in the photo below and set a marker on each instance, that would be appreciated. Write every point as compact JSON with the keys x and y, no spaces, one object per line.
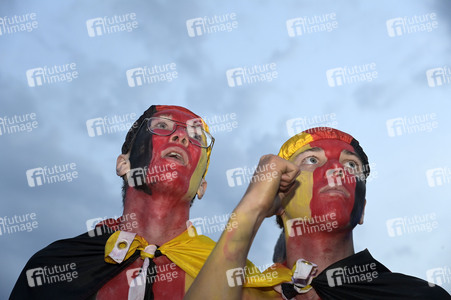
{"x":160,"y":217}
{"x":321,"y":248}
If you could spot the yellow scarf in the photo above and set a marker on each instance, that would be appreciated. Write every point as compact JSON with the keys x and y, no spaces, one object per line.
{"x":189,"y":251}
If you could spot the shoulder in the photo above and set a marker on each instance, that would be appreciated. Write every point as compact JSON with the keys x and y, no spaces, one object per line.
{"x":412,"y":287}
{"x":65,"y":266}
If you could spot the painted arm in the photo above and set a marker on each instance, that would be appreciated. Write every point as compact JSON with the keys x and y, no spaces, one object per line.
{"x":273,"y":178}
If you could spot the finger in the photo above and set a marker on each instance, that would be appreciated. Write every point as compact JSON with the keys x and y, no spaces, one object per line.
{"x":284,"y":189}
{"x":290,"y":172}
{"x":291,"y":188}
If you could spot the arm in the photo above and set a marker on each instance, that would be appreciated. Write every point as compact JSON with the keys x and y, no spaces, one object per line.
{"x":273,"y":178}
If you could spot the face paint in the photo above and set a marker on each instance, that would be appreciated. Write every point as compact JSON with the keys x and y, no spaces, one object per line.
{"x":298,"y":204}
{"x":323,"y":190}
{"x":141,"y":146}
{"x":333,"y":193}
{"x":185,"y":173}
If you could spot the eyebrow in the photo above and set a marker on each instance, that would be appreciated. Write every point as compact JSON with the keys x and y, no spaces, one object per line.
{"x":352,"y":154}
{"x":314,"y":149}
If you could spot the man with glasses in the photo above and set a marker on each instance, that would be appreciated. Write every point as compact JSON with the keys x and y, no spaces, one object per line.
{"x":148,"y":253}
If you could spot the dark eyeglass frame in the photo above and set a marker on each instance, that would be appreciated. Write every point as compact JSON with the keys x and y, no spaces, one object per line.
{"x":178,"y":123}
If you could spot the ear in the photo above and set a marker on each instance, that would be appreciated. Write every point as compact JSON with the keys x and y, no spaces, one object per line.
{"x":202,"y":188}
{"x":123,"y":164}
{"x":363,"y":214}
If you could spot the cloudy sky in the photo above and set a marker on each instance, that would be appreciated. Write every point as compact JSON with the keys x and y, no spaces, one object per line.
{"x":378,"y":70}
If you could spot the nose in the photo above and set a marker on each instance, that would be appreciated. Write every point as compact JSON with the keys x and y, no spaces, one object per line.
{"x":180,"y":136}
{"x":336,"y":172}
{"x":334,"y":169}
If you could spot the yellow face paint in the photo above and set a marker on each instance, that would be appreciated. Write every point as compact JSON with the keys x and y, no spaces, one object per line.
{"x":297,"y":205}
{"x":196,"y":177}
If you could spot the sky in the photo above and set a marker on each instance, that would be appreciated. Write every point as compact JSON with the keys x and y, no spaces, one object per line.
{"x":258,"y":72}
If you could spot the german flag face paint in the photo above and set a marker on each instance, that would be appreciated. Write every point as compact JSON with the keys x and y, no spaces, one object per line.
{"x":332,"y":179}
{"x":172,"y":161}
{"x":178,"y":155}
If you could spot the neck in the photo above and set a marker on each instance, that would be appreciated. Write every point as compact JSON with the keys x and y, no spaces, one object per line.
{"x":158,"y":218}
{"x":321,"y":248}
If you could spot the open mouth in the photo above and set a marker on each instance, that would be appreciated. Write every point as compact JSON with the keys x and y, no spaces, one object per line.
{"x":176,"y":154}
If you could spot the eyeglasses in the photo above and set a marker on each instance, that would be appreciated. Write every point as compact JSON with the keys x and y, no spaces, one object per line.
{"x":197,"y":135}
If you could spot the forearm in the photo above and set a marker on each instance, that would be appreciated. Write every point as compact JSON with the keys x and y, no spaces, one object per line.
{"x":222,"y":274}
{"x":229,"y":253}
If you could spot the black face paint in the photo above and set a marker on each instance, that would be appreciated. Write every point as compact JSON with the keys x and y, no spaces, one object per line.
{"x":360,"y":187}
{"x":359,"y":202}
{"x":141,"y":149}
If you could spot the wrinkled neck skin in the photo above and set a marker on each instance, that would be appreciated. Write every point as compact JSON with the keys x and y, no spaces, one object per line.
{"x":322,"y":248}
{"x":160,"y":217}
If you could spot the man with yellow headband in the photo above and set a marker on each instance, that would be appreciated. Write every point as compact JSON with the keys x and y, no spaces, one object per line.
{"x":148,"y":253}
{"x":317,"y":190}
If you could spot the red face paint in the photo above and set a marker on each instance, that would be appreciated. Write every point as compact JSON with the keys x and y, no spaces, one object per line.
{"x":174,"y":172}
{"x":334,"y":187}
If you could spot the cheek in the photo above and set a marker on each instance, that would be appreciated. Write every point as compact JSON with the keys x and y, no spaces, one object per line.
{"x":297,"y":205}
{"x":359,"y":203}
{"x":157,"y":143}
{"x":196,"y":176}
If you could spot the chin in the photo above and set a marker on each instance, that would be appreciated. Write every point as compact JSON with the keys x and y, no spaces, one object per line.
{"x":336,"y":212}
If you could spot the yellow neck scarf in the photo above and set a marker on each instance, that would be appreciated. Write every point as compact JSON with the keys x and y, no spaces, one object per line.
{"x":189,"y":251}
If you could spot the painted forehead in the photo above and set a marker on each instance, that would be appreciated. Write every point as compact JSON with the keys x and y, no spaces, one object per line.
{"x":305,"y":139}
{"x":333,"y":147}
{"x":329,"y":148}
{"x":175,"y":115}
